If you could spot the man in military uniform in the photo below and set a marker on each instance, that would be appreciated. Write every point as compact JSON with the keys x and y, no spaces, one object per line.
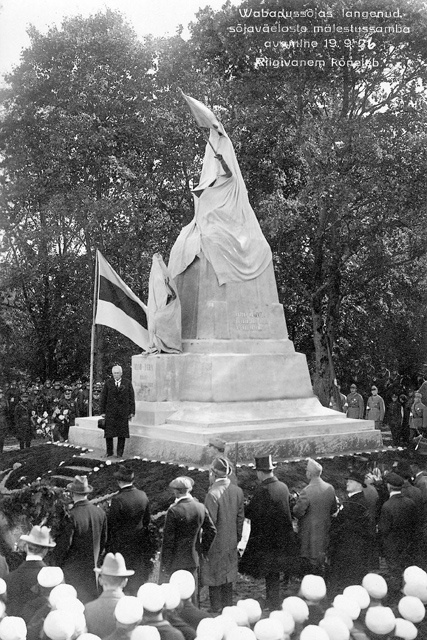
{"x":355,"y":404}
{"x":24,"y":421}
{"x":375,"y":408}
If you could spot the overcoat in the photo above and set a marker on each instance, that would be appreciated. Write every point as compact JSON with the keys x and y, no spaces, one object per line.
{"x":79,"y":546}
{"x":314,"y":507}
{"x":398,"y":526}
{"x":118,"y":404}
{"x":99,"y":613}
{"x":224,"y":501}
{"x":128,"y":519}
{"x":351,"y":542}
{"x":24,"y":428}
{"x":186,"y":521}
{"x":20,"y":585}
{"x":272,"y":545}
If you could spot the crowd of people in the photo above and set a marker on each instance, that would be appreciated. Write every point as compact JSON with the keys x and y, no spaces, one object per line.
{"x":390,"y":404}
{"x":94,"y":578}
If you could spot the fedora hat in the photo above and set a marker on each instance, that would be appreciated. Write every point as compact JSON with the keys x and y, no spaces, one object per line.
{"x":124,"y":473}
{"x":39,"y":536}
{"x":114,"y":565}
{"x":264,"y":463}
{"x":80,"y":485}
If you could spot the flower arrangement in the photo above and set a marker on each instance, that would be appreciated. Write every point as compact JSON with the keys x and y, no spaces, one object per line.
{"x":44,"y":427}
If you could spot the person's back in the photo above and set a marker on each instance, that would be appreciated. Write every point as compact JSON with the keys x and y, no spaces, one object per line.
{"x":314,"y":507}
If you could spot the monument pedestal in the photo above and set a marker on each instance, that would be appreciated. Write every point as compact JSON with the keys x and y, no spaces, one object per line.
{"x":238,"y":378}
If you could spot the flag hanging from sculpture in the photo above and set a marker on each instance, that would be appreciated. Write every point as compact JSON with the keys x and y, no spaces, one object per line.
{"x":118,"y":307}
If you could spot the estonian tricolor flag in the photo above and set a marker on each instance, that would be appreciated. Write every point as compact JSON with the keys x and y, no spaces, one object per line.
{"x":118,"y":307}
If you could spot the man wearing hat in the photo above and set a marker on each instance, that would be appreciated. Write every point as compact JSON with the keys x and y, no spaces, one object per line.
{"x":128,"y":520}
{"x":352,"y":543}
{"x":188,"y":529}
{"x":117,"y":406}
{"x":271,"y":548}
{"x":375,"y":407}
{"x":4,"y":419}
{"x":216,"y":449}
{"x":314,"y":509}
{"x":224,"y":502}
{"x":113,"y":577}
{"x":22,"y":583}
{"x":398,"y":528}
{"x":82,"y":540}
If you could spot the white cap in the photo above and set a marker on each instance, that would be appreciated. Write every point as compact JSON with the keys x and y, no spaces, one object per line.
{"x":88,"y":636}
{"x":73,"y":605}
{"x":297,"y":607}
{"x":268,"y":629}
{"x":313,"y":588}
{"x":313,"y":632}
{"x":335,"y":628}
{"x":184,"y":581}
{"x":3,"y":586}
{"x":152,"y":597}
{"x":285,"y":619}
{"x":375,"y":585}
{"x":50,"y":577}
{"x":59,"y":625}
{"x":61,"y":592}
{"x":145,"y":632}
{"x":238,"y":614}
{"x":342,"y":615}
{"x":129,"y":610}
{"x":405,"y":629}
{"x":228,"y":623}
{"x":348,"y":605}
{"x":211,"y":628}
{"x":172,"y":596}
{"x":414,"y":573}
{"x":380,"y":620}
{"x":411,"y":608}
{"x":359,"y":594}
{"x":417,"y":588}
{"x":252,"y":608}
{"x":13,"y":628}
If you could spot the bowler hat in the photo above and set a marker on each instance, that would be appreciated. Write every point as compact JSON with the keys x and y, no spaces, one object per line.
{"x":182,"y":483}
{"x":124,"y":473}
{"x":264,"y":463}
{"x":221,"y":465}
{"x":356,"y":475}
{"x":39,"y":536}
{"x":394,"y":480}
{"x":80,"y":485}
{"x":114,"y":565}
{"x":218,"y":443}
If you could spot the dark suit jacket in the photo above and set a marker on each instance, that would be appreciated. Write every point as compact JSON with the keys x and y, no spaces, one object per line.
{"x":78,"y":547}
{"x":19,"y":583}
{"x":398,"y":526}
{"x":99,"y":613}
{"x":186,"y":520}
{"x":118,"y":404}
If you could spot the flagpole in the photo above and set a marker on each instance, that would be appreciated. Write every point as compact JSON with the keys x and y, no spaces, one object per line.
{"x":92,"y":338}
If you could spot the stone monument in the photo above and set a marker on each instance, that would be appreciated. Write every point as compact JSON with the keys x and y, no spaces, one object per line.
{"x":238,"y":376}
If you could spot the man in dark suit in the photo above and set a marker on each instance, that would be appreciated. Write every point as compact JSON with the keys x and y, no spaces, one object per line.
{"x":22,"y":583}
{"x":187,"y":524}
{"x":128,"y":519}
{"x":398,"y":528}
{"x":82,"y":541}
{"x":352,"y":542}
{"x":271,"y":548}
{"x":117,"y":406}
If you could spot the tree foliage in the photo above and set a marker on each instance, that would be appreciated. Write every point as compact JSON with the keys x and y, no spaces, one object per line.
{"x":98,"y":151}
